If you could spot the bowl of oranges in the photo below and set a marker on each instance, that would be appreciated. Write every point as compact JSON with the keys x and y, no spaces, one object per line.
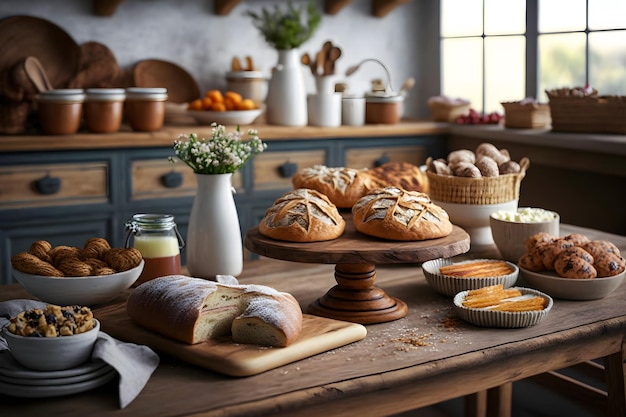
{"x":229,"y":108}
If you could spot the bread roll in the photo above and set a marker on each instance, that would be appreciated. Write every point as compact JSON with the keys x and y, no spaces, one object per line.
{"x":396,"y":214}
{"x":302,"y":215}
{"x":194,"y":310}
{"x":343,"y":186}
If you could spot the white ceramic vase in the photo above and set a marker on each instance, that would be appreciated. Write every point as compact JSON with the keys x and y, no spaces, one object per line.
{"x":287,"y":96}
{"x":214,"y":245}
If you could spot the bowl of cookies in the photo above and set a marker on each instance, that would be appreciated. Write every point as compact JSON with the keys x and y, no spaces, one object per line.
{"x":572,"y":267}
{"x":449,"y":278}
{"x":496,"y":306}
{"x":67,"y":275}
{"x":62,"y":338}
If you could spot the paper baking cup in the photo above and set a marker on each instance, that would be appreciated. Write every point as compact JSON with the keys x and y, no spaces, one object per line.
{"x":449,"y":285}
{"x":505,"y":319}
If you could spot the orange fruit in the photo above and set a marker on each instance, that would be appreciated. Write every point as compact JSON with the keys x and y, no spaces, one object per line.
{"x":207,"y":102}
{"x":233,"y":96}
{"x":230,"y":103}
{"x":246,"y":104}
{"x":195,"y":105}
{"x":215,"y":95}
{"x":218,"y":107}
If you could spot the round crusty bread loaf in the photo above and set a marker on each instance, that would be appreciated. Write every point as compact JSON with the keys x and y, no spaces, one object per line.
{"x":302,"y":215}
{"x":396,"y":214}
{"x":343,"y":186}
{"x":401,"y":174}
{"x":194,"y":310}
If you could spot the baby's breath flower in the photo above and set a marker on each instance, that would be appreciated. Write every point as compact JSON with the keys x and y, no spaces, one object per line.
{"x":225,"y":152}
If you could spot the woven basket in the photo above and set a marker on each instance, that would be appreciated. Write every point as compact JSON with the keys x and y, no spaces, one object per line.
{"x":485,"y":190}
{"x":442,"y":112}
{"x":526,"y":116}
{"x":601,"y":114}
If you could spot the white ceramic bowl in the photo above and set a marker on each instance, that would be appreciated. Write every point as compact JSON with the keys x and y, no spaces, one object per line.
{"x":474,"y":218}
{"x":52,"y":353}
{"x":449,"y":285}
{"x":226,"y":118}
{"x":569,"y":288}
{"x":83,"y":291}
{"x":509,"y":236}
{"x":505,"y":319}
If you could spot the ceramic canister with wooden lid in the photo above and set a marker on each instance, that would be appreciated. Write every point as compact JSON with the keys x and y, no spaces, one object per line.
{"x":145,"y":108}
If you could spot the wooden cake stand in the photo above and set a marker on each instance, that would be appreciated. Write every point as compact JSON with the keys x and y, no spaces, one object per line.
{"x":355,"y":298}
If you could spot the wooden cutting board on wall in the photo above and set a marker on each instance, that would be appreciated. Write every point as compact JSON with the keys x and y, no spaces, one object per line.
{"x":318,"y":335}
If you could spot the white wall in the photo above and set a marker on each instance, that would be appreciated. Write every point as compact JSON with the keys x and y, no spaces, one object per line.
{"x":189,"y":33}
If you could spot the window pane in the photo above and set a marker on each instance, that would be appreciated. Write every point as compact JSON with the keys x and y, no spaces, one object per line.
{"x":504,"y":71}
{"x":561,"y":62}
{"x":461,"y":17}
{"x":561,"y":15}
{"x":462,"y":69}
{"x":607,"y":62}
{"x":505,"y":17}
{"x":607,"y":14}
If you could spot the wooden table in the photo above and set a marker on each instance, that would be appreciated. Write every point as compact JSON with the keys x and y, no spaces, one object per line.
{"x":421,"y":359}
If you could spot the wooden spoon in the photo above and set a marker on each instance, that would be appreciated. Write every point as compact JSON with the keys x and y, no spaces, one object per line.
{"x":407,"y":85}
{"x":333,"y":55}
{"x":37,"y":75}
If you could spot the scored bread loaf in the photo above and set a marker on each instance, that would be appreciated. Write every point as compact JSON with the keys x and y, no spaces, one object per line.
{"x":402,"y":175}
{"x":302,"y":215}
{"x":343,"y":186}
{"x":396,"y":214}
{"x":194,"y":310}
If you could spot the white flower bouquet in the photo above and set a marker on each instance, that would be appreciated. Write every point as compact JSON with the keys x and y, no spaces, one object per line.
{"x":223,"y":153}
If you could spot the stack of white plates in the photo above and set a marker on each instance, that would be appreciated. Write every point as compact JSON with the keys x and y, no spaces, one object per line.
{"x":17,"y":381}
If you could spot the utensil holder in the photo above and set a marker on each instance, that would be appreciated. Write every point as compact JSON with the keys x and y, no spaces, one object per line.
{"x":324,"y":109}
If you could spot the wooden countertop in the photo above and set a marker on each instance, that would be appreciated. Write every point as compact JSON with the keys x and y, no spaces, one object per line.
{"x":421,"y":359}
{"x":126,"y":138}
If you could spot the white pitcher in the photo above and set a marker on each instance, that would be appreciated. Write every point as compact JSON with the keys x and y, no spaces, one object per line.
{"x":287,"y":97}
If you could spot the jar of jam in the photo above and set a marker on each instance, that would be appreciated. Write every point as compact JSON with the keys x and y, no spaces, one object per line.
{"x":145,"y":108}
{"x":104,"y":109}
{"x":60,"y":111}
{"x":157,"y":238}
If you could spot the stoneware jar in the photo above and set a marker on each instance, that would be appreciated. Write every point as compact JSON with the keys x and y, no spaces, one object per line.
{"x":383,"y":109}
{"x":104,"y":109}
{"x":250,"y":84}
{"x":60,"y":111}
{"x":145,"y":108}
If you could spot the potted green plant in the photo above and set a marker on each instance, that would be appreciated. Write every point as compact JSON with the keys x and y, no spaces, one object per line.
{"x":285,"y":28}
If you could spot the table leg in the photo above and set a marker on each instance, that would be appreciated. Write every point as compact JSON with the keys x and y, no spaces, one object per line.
{"x":356,"y":299}
{"x":499,"y":400}
{"x":615,"y":374}
{"x":476,"y":404}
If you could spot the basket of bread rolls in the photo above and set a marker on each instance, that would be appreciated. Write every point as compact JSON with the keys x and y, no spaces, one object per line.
{"x":486,"y":175}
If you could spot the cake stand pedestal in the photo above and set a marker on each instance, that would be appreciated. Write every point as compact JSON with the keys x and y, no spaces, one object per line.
{"x":355,"y":298}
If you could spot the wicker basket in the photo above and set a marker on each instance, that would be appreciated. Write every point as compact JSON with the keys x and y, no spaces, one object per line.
{"x":443,"y":112}
{"x":526,"y":116}
{"x":485,"y":190}
{"x":601,"y":114}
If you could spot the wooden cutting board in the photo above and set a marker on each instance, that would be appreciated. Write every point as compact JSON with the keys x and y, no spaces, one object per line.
{"x":318,"y":335}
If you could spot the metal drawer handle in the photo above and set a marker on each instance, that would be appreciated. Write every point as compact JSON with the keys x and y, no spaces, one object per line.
{"x":48,"y":185}
{"x":381,"y":161}
{"x":288,"y":169}
{"x":172,"y":179}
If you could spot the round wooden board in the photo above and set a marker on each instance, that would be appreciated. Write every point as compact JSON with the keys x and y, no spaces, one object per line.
{"x":181,"y":86}
{"x":355,"y":247}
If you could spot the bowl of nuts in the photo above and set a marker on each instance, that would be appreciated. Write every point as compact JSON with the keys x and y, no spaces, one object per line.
{"x":53,"y":338}
{"x":67,"y":275}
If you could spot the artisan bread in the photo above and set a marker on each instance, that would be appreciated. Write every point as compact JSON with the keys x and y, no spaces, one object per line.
{"x":343,"y":186}
{"x":402,"y":175}
{"x":396,"y":214}
{"x":302,"y":215}
{"x":194,"y":310}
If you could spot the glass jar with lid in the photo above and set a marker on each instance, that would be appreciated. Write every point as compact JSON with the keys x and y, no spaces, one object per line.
{"x":157,"y":238}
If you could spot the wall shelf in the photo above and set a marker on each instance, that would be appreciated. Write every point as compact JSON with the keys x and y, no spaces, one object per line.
{"x":380,"y":8}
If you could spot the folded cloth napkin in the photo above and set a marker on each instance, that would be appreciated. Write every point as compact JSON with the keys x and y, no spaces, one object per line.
{"x":134,"y":363}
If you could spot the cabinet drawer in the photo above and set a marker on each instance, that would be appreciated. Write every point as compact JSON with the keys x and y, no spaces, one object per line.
{"x":160,"y":179}
{"x":273,"y":170}
{"x":372,"y":157}
{"x":53,"y":185}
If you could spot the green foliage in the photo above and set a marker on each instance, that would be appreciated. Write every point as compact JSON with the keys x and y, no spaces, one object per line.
{"x":287,"y":29}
